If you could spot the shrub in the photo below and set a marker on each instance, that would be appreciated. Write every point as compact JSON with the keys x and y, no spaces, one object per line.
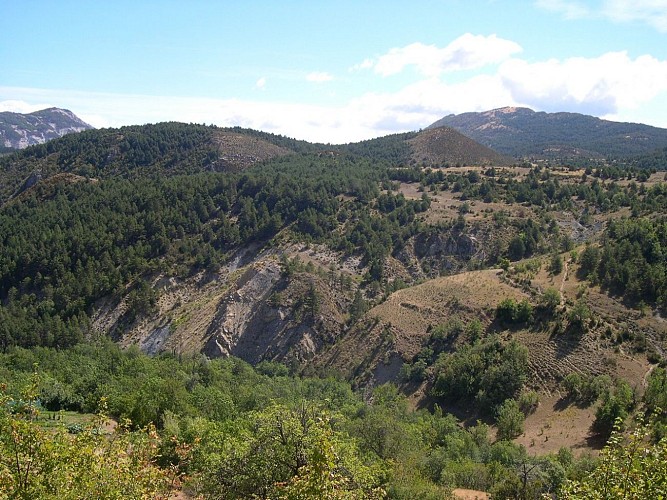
{"x":528,"y":402}
{"x":509,"y":420}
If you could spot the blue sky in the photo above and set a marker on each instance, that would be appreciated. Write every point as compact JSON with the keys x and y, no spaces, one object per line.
{"x":332,"y":71}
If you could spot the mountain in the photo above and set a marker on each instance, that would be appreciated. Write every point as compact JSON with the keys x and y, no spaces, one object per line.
{"x":175,"y":148}
{"x":531,"y":298}
{"x":161,"y":149}
{"x":19,"y":131}
{"x":423,"y":259}
{"x":524,"y":133}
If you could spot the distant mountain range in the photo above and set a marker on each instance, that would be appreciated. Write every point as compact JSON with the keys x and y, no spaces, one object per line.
{"x":498,"y":136}
{"x":18,"y":131}
{"x":524,"y":133}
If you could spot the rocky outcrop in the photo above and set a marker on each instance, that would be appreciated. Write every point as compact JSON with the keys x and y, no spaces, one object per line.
{"x":19,"y":131}
{"x":455,"y":244}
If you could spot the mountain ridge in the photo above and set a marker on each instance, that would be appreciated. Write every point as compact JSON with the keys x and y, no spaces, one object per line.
{"x":18,"y":130}
{"x":523,"y":133}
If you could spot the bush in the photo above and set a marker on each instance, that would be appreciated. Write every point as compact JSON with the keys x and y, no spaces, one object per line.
{"x":579,"y":315}
{"x":509,"y":420}
{"x":586,"y":389}
{"x":556,"y":264}
{"x":528,"y":402}
{"x":511,"y":311}
{"x":550,"y":300}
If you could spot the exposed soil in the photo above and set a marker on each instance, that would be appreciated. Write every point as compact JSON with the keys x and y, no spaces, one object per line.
{"x":464,"y":494}
{"x":555,"y":424}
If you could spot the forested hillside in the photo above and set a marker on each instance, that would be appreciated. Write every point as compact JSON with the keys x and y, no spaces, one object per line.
{"x":301,"y":300}
{"x":229,"y":430}
{"x":522,"y":133}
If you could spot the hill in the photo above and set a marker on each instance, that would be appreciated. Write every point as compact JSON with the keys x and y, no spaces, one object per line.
{"x":443,"y":146}
{"x":419,"y":259}
{"x":19,"y":131}
{"x":524,"y":133}
{"x":142,"y":151}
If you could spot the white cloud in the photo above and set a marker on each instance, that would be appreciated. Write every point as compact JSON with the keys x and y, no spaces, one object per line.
{"x":613,"y":85}
{"x":569,"y":9}
{"x":466,"y":52}
{"x":651,"y":12}
{"x":365,"y":64}
{"x":601,"y":86}
{"x":261,"y":83}
{"x":319,"y":77}
{"x":15,"y":106}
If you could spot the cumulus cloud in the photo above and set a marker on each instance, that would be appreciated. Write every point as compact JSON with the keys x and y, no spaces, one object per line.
{"x":466,"y":52}
{"x":600,"y":86}
{"x":319,"y":77}
{"x":612,"y":85}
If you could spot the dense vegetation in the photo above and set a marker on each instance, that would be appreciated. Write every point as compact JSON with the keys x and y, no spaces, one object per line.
{"x":631,"y":260}
{"x":113,"y":209}
{"x":234,"y":432}
{"x":66,"y":243}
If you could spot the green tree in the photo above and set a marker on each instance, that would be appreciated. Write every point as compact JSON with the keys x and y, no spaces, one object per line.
{"x":510,"y":420}
{"x":556,"y":264}
{"x":550,"y":300}
{"x":579,"y":315}
{"x":36,"y":462}
{"x":588,"y":261}
{"x":629,"y":467}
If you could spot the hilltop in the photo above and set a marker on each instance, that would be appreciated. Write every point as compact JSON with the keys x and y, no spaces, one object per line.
{"x":18,"y":131}
{"x":176,"y":148}
{"x":524,"y":133}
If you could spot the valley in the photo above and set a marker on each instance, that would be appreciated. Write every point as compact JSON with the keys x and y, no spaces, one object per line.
{"x":426,"y":272}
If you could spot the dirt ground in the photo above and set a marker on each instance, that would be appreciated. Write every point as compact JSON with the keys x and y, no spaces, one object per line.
{"x":556,"y":424}
{"x":462,"y":494}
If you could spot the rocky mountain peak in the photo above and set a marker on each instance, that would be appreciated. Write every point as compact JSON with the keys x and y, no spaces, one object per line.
{"x":19,"y":130}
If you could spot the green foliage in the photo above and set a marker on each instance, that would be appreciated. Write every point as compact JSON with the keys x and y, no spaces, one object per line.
{"x":655,"y":396}
{"x":556,"y":264}
{"x":586,"y":389}
{"x":588,"y":261}
{"x":52,"y":463}
{"x":513,"y":312}
{"x":550,"y":300}
{"x":629,"y":467}
{"x":614,"y":409}
{"x":509,"y":419}
{"x":236,"y":431}
{"x":632,"y":260}
{"x":528,"y":402}
{"x":579,"y":315}
{"x":281,"y":452}
{"x":488,"y":373}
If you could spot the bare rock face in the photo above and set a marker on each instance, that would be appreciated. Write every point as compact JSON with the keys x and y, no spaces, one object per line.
{"x":247,"y":309}
{"x":19,"y":131}
{"x":243,"y":313}
{"x":446,"y":244}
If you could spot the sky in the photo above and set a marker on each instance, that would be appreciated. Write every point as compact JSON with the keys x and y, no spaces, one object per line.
{"x":332,"y":71}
